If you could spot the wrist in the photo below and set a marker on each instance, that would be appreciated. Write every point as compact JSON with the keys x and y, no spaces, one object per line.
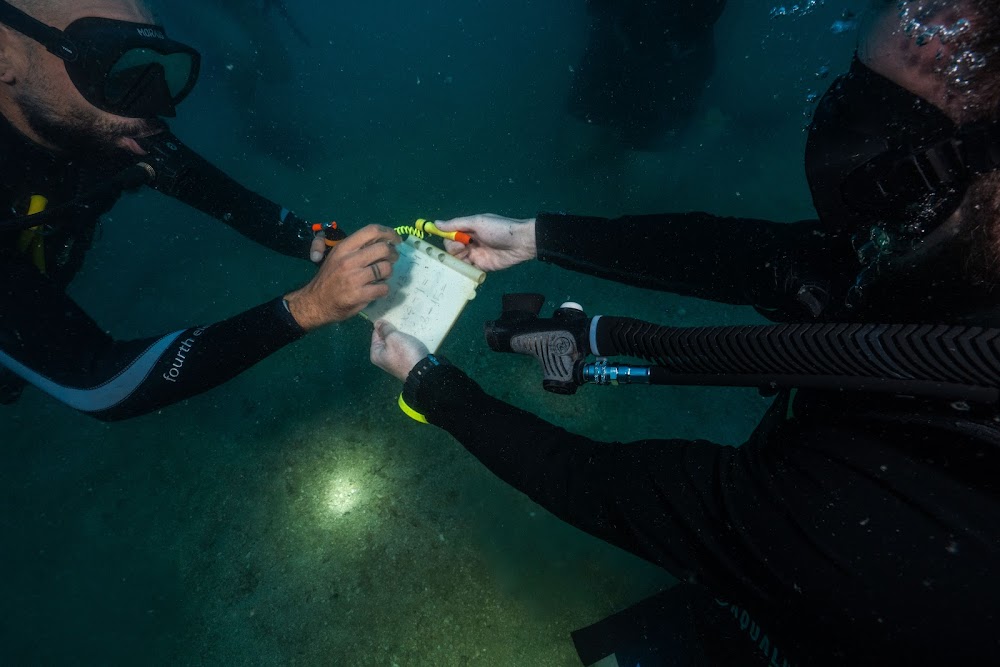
{"x":527,"y":241}
{"x":302,"y":310}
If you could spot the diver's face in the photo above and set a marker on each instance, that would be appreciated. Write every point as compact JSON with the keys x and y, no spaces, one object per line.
{"x":922,"y":48}
{"x":54,"y":108}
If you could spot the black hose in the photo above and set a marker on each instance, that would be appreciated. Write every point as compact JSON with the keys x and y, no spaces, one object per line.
{"x":957,"y":363}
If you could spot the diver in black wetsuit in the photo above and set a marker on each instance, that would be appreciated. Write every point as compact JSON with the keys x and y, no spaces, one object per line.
{"x":851,"y":528}
{"x":645,"y":65}
{"x":80,"y":107}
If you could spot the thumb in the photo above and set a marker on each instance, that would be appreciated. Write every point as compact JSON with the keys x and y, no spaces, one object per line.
{"x":383,"y":329}
{"x":377,"y":352}
{"x":453,"y":225}
{"x":317,"y":251}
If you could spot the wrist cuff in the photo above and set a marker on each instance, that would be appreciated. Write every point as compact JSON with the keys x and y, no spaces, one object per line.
{"x":415,"y":380}
{"x":437,"y":391}
{"x":284,"y":314}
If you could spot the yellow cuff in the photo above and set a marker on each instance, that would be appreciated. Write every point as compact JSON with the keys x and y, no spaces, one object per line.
{"x":410,"y":412}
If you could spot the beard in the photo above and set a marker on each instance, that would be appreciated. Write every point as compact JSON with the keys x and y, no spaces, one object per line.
{"x":83,"y":127}
{"x":981,"y":231}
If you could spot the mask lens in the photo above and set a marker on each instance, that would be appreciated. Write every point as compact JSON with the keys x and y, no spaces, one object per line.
{"x":134,"y":65}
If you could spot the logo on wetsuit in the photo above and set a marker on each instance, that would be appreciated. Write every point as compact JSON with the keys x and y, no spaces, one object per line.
{"x":174,"y":373}
{"x":757,"y":635}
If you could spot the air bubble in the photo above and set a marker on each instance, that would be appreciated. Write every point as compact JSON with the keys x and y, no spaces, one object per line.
{"x":798,"y":9}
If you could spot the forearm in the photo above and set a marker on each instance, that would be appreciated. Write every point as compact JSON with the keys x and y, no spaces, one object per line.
{"x":730,"y":260}
{"x":201,"y":358}
{"x":188,"y":177}
{"x":113,"y":380}
{"x":656,"y":499}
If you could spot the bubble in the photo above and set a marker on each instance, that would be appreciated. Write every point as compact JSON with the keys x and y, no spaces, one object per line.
{"x":800,"y":9}
{"x":917,"y":22}
{"x":843,"y":26}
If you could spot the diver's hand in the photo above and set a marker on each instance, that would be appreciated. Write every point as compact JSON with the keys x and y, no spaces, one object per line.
{"x":352,"y":276}
{"x":497,"y":242}
{"x":394,"y":351}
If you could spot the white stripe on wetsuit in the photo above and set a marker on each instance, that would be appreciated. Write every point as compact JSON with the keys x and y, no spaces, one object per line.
{"x":104,"y":396}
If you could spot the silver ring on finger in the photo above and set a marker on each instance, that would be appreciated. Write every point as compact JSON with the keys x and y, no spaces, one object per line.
{"x":376,"y":272}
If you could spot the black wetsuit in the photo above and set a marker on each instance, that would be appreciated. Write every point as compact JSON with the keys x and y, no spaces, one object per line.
{"x":644,"y":66}
{"x":848,"y":529}
{"x":48,"y":340}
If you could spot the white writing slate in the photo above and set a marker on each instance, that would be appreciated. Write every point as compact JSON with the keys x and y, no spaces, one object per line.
{"x":428,"y":290}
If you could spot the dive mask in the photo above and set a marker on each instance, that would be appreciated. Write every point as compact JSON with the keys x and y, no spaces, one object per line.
{"x":883,"y":162}
{"x":127,"y":69}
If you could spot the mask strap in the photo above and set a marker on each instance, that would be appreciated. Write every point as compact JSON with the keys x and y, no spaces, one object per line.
{"x":890,"y":179}
{"x":53,"y":39}
{"x":974,"y":150}
{"x":933,"y":168}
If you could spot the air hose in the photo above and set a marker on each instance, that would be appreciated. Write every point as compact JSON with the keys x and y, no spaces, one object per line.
{"x":932,"y":361}
{"x":956,"y":363}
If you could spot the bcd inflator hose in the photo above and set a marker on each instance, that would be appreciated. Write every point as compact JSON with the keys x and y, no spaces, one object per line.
{"x":956,"y":363}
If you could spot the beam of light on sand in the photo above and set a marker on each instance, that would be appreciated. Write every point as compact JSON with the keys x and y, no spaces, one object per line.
{"x":342,"y":495}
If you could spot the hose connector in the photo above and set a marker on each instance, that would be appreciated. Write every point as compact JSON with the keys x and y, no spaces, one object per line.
{"x":605,"y":374}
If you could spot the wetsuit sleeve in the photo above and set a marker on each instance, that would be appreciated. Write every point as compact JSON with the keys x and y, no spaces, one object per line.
{"x":664,"y":501}
{"x":190,"y":178}
{"x":50,"y":342}
{"x":730,"y":260}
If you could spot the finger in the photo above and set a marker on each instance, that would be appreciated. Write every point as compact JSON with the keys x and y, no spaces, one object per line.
{"x":372,"y":292}
{"x":454,"y":247}
{"x":380,"y":252}
{"x":384,"y":328}
{"x":378,"y":347}
{"x":378,"y":342}
{"x":317,"y":251}
{"x":393,"y":241}
{"x":367,"y":236}
{"x":381,"y":271}
{"x":463,"y":224}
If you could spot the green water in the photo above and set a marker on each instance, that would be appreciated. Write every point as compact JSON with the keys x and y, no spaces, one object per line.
{"x":294,"y":515}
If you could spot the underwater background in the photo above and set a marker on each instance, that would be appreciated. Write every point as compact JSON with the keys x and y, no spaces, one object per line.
{"x":295,"y":515}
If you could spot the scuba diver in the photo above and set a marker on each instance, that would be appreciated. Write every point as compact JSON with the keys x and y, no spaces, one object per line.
{"x":82,"y":99}
{"x":853,"y":526}
{"x":644,"y":66}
